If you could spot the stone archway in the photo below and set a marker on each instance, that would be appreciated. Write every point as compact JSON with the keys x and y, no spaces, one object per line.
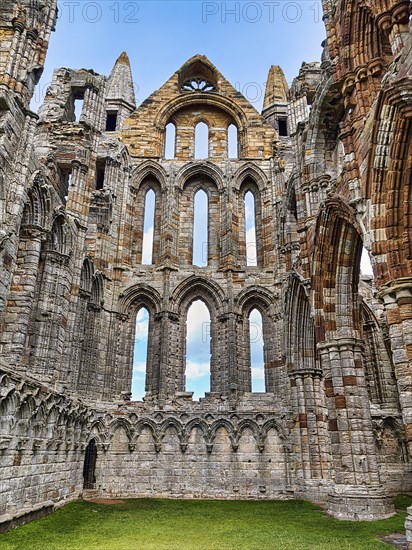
{"x":89,"y":465}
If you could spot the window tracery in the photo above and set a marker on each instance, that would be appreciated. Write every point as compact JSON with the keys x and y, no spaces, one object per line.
{"x":197,"y":84}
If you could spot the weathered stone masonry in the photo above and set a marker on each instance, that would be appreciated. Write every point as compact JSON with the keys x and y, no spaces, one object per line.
{"x":329,"y":166}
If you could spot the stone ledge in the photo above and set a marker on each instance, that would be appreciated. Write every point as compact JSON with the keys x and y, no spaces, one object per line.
{"x":10,"y":521}
{"x":359,"y":503}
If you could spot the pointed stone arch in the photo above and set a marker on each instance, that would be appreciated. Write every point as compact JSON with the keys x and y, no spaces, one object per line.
{"x":250,"y":171}
{"x":195,"y":286}
{"x":61,"y":235}
{"x":389,"y":184}
{"x":199,"y":180}
{"x":86,"y":275}
{"x":149,"y":183}
{"x":130,"y":302}
{"x":37,"y":208}
{"x":148,"y":168}
{"x":335,"y":272}
{"x":88,"y":327}
{"x":300,"y":342}
{"x":263,"y":300}
{"x":97,"y":290}
{"x":192,"y":169}
{"x":139,"y":293}
{"x":210,"y":293}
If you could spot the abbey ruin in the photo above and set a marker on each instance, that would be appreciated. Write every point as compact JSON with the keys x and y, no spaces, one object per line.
{"x":329,"y":164}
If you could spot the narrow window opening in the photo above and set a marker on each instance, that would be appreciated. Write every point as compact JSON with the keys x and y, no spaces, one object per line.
{"x":67,"y":184}
{"x":89,"y":466}
{"x":140,"y":354}
{"x":283,"y":127}
{"x":233,"y":145}
{"x":100,"y":173}
{"x":198,"y":346}
{"x":78,"y":101}
{"x":201,"y":141}
{"x":148,"y":227}
{"x":111,"y":121}
{"x":170,"y":142}
{"x":250,"y":227}
{"x":256,"y":351}
{"x":366,"y":264}
{"x":200,"y":229}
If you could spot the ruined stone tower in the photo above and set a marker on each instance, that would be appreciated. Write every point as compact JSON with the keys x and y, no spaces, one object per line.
{"x":329,"y":166}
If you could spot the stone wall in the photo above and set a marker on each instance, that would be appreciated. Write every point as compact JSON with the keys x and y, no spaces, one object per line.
{"x":335,"y":420}
{"x":42,"y":442}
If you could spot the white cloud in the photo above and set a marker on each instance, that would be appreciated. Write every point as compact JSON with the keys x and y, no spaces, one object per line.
{"x":139,"y":368}
{"x":196,"y":370}
{"x":147,"y":246}
{"x":258,"y":373}
{"x":198,"y":322}
{"x":251,"y":246}
{"x":142,"y":326}
{"x":141,"y":315}
{"x":366,"y":265}
{"x":249,"y":213}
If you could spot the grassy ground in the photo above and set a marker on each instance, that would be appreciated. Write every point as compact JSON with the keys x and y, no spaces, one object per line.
{"x":155,"y":524}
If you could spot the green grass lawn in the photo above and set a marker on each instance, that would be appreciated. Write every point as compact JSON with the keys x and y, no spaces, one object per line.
{"x":192,"y":524}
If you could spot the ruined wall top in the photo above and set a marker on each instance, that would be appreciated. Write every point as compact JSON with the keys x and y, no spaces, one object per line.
{"x":276,"y":87}
{"x":197,"y":92}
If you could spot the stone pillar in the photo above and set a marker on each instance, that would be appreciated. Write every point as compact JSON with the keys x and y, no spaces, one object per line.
{"x":50,"y":321}
{"x":221,"y":364}
{"x":91,"y":109}
{"x":81,"y":331}
{"x":117,"y":324}
{"x":165,"y":243}
{"x":154,"y":354}
{"x":358,"y":493}
{"x":311,"y":415}
{"x":243,"y":371}
{"x":230,"y":383}
{"x":172,"y":371}
{"x":397,"y":298}
{"x":21,"y":297}
{"x":275,"y":371}
{"x":78,"y":198}
{"x":14,"y":170}
{"x":78,"y":208}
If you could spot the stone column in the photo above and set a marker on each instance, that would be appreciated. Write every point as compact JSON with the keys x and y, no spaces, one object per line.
{"x":242,"y":359}
{"x":79,"y":195}
{"x":397,"y":298}
{"x":21,"y":297}
{"x":50,"y":322}
{"x":78,"y":208}
{"x":172,"y":369}
{"x":115,"y":358}
{"x":222,"y":345}
{"x":154,"y":355}
{"x":14,"y":170}
{"x":311,"y":416}
{"x":230,"y":385}
{"x":81,"y":332}
{"x":90,"y":106}
{"x":358,"y":493}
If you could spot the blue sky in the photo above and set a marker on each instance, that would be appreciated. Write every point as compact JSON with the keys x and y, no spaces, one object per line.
{"x":243,"y":39}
